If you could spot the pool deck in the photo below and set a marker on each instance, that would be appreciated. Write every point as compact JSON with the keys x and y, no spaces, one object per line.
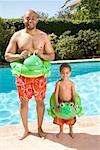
{"x":86,"y":129}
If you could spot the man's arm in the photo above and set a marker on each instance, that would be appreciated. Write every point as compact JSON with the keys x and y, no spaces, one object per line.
{"x":11,"y":50}
{"x":10,"y":54}
{"x":49,"y":51}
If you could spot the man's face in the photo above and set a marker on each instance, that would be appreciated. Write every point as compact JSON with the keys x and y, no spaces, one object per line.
{"x":30,"y":20}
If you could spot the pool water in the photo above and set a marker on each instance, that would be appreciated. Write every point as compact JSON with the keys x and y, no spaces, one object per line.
{"x":86,"y":77}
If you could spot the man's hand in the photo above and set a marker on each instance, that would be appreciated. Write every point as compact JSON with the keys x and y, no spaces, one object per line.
{"x":24,"y":54}
{"x":44,"y":56}
{"x":39,"y":53}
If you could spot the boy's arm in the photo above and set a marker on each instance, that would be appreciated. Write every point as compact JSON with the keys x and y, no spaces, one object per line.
{"x":56,"y":93}
{"x":74,"y":94}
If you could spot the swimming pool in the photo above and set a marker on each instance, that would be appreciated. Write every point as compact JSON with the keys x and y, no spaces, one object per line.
{"x":86,"y":77}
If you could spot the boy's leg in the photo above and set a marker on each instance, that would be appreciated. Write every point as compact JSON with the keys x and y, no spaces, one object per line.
{"x":71,"y":122}
{"x":71,"y":131}
{"x":61,"y":131}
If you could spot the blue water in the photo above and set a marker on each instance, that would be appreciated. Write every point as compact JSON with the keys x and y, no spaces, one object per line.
{"x":86,"y":77}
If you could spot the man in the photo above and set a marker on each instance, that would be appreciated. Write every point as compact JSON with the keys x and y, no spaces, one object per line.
{"x":27,"y":41}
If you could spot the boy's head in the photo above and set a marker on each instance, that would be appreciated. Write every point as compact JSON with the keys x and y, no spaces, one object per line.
{"x":65,"y":70}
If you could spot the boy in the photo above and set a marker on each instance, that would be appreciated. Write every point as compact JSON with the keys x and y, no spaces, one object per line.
{"x":64,"y":92}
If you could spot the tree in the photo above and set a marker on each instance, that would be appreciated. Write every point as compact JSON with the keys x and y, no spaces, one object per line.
{"x":43,"y":15}
{"x":64,"y":12}
{"x":88,"y":9}
{"x":66,"y":2}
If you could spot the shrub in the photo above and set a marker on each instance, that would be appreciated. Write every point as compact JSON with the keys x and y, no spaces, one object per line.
{"x":5,"y":34}
{"x":53,"y":39}
{"x":88,"y":41}
{"x":67,"y":47}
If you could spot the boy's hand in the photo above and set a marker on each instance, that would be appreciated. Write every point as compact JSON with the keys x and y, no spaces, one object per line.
{"x":57,"y":108}
{"x":75,"y":107}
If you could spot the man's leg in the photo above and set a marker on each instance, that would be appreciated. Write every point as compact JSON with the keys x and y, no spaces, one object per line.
{"x":24,"y":117}
{"x":39,"y":88}
{"x":40,"y":107}
{"x":25,"y":93}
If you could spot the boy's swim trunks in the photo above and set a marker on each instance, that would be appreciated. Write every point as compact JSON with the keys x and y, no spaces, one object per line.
{"x":61,"y":121}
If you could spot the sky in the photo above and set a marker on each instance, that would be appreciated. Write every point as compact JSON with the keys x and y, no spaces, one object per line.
{"x":16,"y":8}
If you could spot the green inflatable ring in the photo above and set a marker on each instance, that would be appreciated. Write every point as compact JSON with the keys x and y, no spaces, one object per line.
{"x":67,"y":110}
{"x":32,"y":67}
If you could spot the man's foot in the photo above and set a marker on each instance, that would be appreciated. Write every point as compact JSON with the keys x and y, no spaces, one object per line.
{"x":59,"y":134}
{"x":26,"y":133}
{"x":41,"y":133}
{"x":71,"y":134}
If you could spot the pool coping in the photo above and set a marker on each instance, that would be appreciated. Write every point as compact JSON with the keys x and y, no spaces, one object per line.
{"x":76,"y":61}
{"x":63,"y":61}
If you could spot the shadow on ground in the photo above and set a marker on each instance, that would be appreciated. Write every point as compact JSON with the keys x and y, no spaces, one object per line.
{"x":81,"y":141}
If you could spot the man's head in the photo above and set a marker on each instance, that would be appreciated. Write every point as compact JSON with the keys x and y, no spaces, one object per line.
{"x":65,"y":70}
{"x":30,"y":19}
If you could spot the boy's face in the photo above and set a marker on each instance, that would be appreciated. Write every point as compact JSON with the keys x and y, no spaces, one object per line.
{"x":65,"y":73}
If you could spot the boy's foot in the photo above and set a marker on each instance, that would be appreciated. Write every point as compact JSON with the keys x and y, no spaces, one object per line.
{"x":59,"y":134}
{"x":24,"y":135}
{"x":41,"y":133}
{"x":71,"y":135}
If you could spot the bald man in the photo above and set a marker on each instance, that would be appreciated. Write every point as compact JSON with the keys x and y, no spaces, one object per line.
{"x":27,"y":41}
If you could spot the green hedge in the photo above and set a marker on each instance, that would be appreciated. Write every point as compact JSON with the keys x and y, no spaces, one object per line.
{"x":6,"y":32}
{"x":84,"y":45}
{"x":55,"y":26}
{"x":58,"y":26}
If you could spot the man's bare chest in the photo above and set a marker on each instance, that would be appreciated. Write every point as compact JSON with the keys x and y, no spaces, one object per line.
{"x":30,"y":42}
